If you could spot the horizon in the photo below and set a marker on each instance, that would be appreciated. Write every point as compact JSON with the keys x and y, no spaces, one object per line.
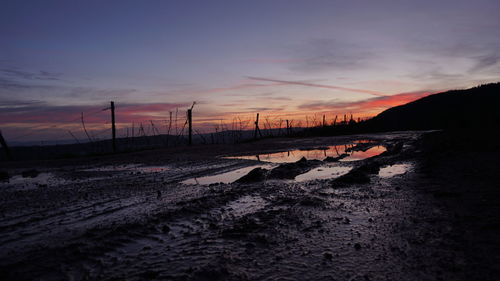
{"x":282,"y":59}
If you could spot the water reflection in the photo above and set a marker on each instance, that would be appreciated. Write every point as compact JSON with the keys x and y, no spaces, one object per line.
{"x":129,"y":167}
{"x":360,"y":155}
{"x":394,"y":170}
{"x":325,"y":172}
{"x":227,"y":177}
{"x":333,"y":151}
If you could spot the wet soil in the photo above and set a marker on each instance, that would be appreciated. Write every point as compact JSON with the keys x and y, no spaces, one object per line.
{"x":138,"y":221}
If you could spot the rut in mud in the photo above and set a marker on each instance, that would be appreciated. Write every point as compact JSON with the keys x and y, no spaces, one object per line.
{"x":352,"y":215}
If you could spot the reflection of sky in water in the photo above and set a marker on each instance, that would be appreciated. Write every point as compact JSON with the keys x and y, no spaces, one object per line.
{"x":227,"y":177}
{"x":129,"y":167}
{"x":360,"y":155}
{"x":394,"y":170}
{"x":314,"y":154}
{"x":296,"y":155}
{"x":326,"y":172}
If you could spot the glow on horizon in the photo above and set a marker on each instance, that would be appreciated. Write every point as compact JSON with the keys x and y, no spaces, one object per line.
{"x":281,"y":58}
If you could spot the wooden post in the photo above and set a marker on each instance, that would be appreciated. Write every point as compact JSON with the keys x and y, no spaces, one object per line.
{"x":257,"y":130}
{"x":190,"y":123}
{"x":288,"y":128}
{"x":113,"y":126}
{"x":324,"y":121}
{"x":5,"y":147}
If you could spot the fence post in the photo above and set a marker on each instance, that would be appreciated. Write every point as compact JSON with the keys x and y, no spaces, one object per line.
{"x":5,"y":147}
{"x":113,"y":126}
{"x":257,"y":130}
{"x":190,"y":123}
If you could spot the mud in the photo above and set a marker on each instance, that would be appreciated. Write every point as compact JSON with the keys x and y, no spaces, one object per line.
{"x":96,"y":223}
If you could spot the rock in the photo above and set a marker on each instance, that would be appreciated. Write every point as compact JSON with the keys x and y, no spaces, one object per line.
{"x":370,"y":168}
{"x":291,"y":170}
{"x":354,"y":176}
{"x":331,"y":159}
{"x":327,"y":256}
{"x":255,"y":175}
{"x":357,"y":246}
{"x":302,"y":160}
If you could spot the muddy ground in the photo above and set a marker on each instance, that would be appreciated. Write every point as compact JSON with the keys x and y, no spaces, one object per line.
{"x":130,"y":217}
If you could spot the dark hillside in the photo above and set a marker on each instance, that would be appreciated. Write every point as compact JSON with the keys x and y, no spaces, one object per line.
{"x":477,"y":107}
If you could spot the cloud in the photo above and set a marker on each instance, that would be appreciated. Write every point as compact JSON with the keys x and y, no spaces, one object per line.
{"x":485,"y":61}
{"x":41,"y":112}
{"x":370,"y":92}
{"x":9,"y":84}
{"x":436,"y":74}
{"x":368,"y":106}
{"x":8,"y":104}
{"x":40,"y":75}
{"x":257,"y":109}
{"x":320,"y":55}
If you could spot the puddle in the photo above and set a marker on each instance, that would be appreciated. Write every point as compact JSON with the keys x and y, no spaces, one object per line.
{"x":296,"y":155}
{"x":394,"y":170}
{"x":316,"y":154}
{"x":245,"y":205}
{"x":227,"y":177}
{"x":130,"y":167}
{"x":360,"y":155}
{"x":26,"y":183}
{"x":327,"y":172}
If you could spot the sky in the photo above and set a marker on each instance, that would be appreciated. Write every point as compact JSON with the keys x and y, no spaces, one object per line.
{"x":284,"y":59}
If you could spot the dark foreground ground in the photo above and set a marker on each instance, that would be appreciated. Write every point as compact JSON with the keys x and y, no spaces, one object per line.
{"x":437,"y":221}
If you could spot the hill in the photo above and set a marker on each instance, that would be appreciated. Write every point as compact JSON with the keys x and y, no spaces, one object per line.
{"x":475,"y":108}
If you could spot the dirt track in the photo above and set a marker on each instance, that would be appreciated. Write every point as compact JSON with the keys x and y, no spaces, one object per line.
{"x":123,"y":224}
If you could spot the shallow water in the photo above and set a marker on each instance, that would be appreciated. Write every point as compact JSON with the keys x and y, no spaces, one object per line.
{"x":361,"y":155}
{"x":394,"y":170}
{"x":42,"y":179}
{"x":315,"y":154}
{"x":129,"y":167}
{"x":297,"y":154}
{"x":326,"y":172}
{"x":227,"y":177}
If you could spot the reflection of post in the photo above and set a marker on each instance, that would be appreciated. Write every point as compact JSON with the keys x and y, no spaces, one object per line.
{"x":258,"y":157}
{"x":5,"y":147}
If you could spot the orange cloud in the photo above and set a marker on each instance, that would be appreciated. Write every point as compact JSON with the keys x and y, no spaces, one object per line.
{"x":370,"y":106}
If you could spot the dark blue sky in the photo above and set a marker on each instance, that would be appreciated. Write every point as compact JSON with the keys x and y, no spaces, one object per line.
{"x":85,"y":53}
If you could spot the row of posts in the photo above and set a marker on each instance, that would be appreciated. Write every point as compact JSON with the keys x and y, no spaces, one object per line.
{"x":113,"y":130}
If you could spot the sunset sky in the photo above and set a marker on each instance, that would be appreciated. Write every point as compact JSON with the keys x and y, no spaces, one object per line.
{"x":284,"y":59}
